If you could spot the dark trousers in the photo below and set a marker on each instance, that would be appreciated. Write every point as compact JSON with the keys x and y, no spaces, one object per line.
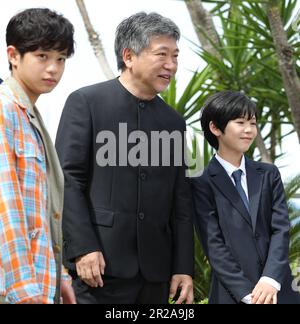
{"x":122,"y":291}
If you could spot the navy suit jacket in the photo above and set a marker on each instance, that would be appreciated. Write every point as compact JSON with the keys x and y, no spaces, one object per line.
{"x":242,"y":248}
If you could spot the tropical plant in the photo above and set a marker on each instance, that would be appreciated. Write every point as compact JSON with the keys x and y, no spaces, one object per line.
{"x":291,"y":187}
{"x":249,"y":63}
{"x":202,"y":273}
{"x":274,"y":29}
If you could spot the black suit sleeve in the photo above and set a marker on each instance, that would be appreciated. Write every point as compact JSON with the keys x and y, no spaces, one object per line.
{"x":73,"y":144}
{"x":223,"y":263}
{"x":183,"y":231}
{"x":277,"y":260}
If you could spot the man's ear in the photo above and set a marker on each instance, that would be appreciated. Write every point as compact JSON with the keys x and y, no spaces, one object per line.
{"x":214,"y":129}
{"x":13,"y":56}
{"x":128,"y":57}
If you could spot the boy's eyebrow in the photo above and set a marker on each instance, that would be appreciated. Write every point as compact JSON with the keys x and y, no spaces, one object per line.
{"x":65,"y":52}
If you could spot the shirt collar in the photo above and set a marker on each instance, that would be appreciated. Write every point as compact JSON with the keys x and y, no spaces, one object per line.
{"x":19,"y":95}
{"x":127,"y":92}
{"x":229,"y":168}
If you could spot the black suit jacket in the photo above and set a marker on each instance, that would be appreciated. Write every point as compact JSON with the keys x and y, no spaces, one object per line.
{"x":139,"y":217}
{"x":242,"y":248}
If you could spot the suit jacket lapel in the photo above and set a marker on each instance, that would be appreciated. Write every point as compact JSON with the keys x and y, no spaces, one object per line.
{"x":254,"y":182}
{"x":221,"y":179}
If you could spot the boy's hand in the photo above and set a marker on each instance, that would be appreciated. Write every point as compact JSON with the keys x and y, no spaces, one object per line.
{"x":67,"y":293}
{"x":263,"y":293}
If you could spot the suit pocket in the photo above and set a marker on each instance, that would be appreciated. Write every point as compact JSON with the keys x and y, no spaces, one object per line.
{"x":103,"y":217}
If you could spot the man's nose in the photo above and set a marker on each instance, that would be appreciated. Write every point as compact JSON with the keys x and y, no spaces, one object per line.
{"x":171,"y":63}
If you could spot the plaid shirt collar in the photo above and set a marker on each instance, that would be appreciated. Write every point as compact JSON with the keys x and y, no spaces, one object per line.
{"x":19,"y":96}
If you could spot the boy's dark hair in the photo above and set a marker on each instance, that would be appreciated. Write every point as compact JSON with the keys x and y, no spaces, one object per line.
{"x":223,"y":107}
{"x":40,"y":28}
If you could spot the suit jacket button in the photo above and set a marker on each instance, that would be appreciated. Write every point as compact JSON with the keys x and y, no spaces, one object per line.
{"x":141,"y":216}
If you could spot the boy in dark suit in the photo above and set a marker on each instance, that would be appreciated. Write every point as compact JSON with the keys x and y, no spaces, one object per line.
{"x":241,"y":211}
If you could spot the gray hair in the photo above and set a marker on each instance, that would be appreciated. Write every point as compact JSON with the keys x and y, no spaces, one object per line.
{"x":136,"y":31}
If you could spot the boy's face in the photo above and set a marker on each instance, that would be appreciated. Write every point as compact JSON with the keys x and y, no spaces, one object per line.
{"x":37,"y":72}
{"x":238,"y":136}
{"x":153,"y":69}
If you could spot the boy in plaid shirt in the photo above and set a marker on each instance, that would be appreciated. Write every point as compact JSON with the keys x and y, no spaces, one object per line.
{"x":31,"y":182}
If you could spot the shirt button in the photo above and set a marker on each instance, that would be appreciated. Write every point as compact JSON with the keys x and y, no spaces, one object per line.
{"x":142,"y":105}
{"x":141,"y":216}
{"x":143,"y":176}
{"x":57,"y":216}
{"x":34,"y":234}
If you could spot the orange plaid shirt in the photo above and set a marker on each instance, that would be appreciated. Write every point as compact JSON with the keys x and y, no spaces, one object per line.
{"x":27,"y":264}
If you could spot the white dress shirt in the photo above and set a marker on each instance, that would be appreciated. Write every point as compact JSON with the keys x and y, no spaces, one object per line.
{"x":229,"y":168}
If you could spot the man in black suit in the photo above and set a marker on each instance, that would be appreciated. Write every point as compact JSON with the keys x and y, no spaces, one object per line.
{"x":241,"y":212}
{"x":127,"y":220}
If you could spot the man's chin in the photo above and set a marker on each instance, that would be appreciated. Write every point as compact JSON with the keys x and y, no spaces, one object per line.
{"x":162,"y":89}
